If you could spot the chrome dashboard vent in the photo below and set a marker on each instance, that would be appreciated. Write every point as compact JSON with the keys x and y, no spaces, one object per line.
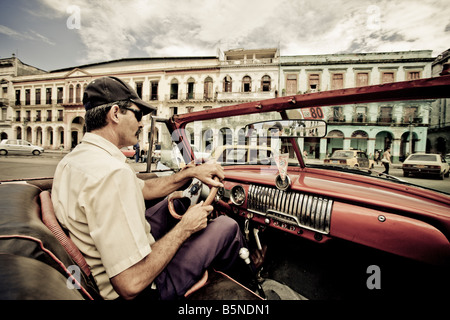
{"x":307,"y":211}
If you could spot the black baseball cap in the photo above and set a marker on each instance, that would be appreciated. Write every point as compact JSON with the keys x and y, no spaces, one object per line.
{"x":111,"y":89}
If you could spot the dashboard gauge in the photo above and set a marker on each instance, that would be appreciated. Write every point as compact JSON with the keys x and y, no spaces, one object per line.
{"x":220,"y":193}
{"x":237,"y":195}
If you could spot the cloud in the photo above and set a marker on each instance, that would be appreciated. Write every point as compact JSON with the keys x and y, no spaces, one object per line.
{"x":38,"y":36}
{"x":30,"y":35}
{"x":10,"y":32}
{"x":113,"y":29}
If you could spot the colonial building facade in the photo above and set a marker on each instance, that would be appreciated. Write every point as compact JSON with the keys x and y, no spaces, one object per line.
{"x":45,"y":108}
{"x":371,"y":127}
{"x":439,"y":128}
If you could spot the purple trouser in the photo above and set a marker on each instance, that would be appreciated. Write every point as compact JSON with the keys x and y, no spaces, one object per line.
{"x":217,"y":245}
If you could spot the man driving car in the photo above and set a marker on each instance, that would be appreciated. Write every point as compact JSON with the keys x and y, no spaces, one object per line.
{"x":99,"y":199}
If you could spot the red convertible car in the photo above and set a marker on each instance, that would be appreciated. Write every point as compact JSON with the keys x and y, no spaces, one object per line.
{"x":322,"y":232}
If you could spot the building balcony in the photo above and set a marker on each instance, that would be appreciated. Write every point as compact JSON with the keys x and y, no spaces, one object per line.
{"x":415,"y":120}
{"x":380,"y":121}
{"x":188,"y":97}
{"x":5,"y":123}
{"x":244,"y":96}
{"x":4,"y":102}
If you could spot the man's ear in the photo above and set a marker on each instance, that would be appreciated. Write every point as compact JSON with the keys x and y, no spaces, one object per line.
{"x":113,"y":114}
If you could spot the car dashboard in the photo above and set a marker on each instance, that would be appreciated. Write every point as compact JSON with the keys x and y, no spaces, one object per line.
{"x":320,"y":210}
{"x":297,"y":212}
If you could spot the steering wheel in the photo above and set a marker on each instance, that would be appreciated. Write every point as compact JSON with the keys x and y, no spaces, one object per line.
{"x":193,"y":194}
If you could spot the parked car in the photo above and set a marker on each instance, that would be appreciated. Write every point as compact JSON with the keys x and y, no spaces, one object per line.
{"x":18,"y":146}
{"x":428,"y":164}
{"x":129,"y":152}
{"x":350,"y":158}
{"x":326,"y":232}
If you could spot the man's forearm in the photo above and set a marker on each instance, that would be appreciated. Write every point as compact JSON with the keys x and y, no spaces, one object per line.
{"x":162,"y":186}
{"x":130,"y":282}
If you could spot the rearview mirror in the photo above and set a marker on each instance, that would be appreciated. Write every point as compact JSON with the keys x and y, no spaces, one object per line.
{"x":295,"y":128}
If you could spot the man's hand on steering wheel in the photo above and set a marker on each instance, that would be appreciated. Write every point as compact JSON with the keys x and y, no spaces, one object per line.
{"x":210,"y":173}
{"x":196,"y":217}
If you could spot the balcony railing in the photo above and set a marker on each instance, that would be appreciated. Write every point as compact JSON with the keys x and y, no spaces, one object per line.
{"x":416,"y":120}
{"x":245,"y":96}
{"x":380,"y":121}
{"x":4,"y":102}
{"x":387,"y":120}
{"x":188,"y":97}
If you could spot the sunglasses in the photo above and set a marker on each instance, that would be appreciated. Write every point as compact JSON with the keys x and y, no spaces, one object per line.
{"x":137,"y":113}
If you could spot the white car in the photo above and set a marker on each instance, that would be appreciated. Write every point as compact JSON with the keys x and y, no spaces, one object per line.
{"x":18,"y":146}
{"x":427,"y":164}
{"x":350,"y":158}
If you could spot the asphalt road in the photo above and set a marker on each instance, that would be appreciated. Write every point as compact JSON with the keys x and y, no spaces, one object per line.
{"x":22,"y":167}
{"x":433,"y":183}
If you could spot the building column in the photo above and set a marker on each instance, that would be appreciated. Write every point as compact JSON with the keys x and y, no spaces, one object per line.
{"x":33,"y":136}
{"x":146,"y":89}
{"x":45,"y":145}
{"x":67,"y":138}
{"x":323,"y":148}
{"x":347,"y":143}
{"x":371,"y":147}
{"x":395,"y":150}
{"x":421,"y":144}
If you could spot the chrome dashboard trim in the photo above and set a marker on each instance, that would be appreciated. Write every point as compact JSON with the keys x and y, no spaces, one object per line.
{"x":307,"y":211}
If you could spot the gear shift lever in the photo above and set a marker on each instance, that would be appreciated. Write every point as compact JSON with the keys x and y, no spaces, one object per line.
{"x":244,"y":254}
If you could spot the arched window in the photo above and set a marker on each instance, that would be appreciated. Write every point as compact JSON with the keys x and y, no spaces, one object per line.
{"x":71,"y":93}
{"x":208,"y":89}
{"x":360,"y":134}
{"x":227,"y":82}
{"x":247,"y":84}
{"x":190,"y":88}
{"x":78,"y":94}
{"x":174,"y":89}
{"x":265,"y":83}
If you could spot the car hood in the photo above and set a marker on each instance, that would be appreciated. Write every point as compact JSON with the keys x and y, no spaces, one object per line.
{"x":373,"y":192}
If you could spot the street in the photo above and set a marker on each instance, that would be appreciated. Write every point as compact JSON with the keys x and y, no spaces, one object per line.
{"x":22,"y":167}
{"x":433,"y":183}
{"x":396,"y":171}
{"x":43,"y":166}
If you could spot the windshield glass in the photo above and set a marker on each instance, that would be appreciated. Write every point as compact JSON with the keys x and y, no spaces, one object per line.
{"x":225,"y":141}
{"x":356,"y":139}
{"x":229,"y":142}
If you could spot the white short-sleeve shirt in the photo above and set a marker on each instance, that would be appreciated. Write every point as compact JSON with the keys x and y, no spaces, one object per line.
{"x":98,"y":198}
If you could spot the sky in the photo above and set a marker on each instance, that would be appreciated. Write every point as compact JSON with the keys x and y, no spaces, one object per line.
{"x":57,"y":34}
